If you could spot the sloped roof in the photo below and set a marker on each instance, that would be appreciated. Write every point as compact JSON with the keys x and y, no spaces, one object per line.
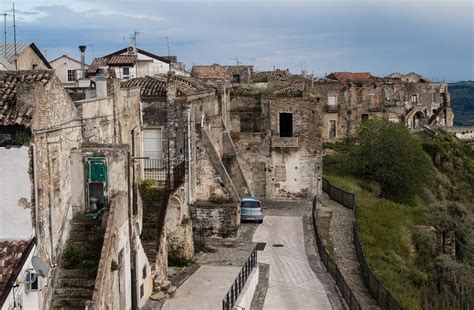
{"x":21,"y":47}
{"x":13,"y":254}
{"x":97,"y":63}
{"x":68,"y":57}
{"x":140,"y":51}
{"x":10,"y":114}
{"x":345,"y":77}
{"x":214,"y":71}
{"x":155,"y":86}
{"x":122,"y":60}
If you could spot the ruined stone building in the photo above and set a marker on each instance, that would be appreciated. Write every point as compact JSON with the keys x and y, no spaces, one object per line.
{"x":73,"y":195}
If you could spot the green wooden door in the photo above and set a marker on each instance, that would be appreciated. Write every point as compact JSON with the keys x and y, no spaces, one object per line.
{"x":96,"y":172}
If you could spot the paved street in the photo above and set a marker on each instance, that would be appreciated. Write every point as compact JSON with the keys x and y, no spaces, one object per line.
{"x":294,"y":276}
{"x":292,"y":283}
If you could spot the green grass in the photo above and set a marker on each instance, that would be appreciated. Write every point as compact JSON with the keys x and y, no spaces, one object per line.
{"x":384,"y":229}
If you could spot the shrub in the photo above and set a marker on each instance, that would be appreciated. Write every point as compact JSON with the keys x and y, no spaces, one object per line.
{"x":150,"y":194}
{"x":201,"y":246}
{"x":220,"y":199}
{"x":21,"y":138}
{"x":387,"y":153}
{"x":176,"y":259}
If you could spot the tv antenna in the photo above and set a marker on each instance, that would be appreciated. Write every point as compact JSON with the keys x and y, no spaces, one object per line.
{"x":236,"y":60}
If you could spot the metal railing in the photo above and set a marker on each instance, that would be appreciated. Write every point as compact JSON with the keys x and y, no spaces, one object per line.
{"x":155,"y":169}
{"x":332,"y":267}
{"x":378,"y":291}
{"x":239,"y":283}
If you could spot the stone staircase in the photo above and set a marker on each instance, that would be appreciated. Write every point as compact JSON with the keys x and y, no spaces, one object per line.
{"x":149,"y":236}
{"x":78,"y":269}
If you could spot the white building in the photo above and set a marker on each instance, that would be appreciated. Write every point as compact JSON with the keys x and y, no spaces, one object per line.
{"x":129,"y":63}
{"x":67,"y":69}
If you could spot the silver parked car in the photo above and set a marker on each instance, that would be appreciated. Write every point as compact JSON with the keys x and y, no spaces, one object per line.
{"x":251,"y":209}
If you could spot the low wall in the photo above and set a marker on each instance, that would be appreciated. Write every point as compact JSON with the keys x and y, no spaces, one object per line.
{"x":246,"y":295}
{"x":216,"y":220}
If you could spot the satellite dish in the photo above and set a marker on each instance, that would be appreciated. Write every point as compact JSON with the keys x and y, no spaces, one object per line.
{"x":40,"y":267}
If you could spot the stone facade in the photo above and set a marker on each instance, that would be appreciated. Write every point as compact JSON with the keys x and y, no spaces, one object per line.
{"x":213,"y":220}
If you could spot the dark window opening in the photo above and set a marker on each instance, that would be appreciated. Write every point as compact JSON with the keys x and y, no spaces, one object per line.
{"x":235,"y":78}
{"x":286,"y":124}
{"x":144,"y":272}
{"x":142,"y":291}
{"x":332,"y":129}
{"x":126,"y":71}
{"x":365,"y":117}
{"x":35,"y":67}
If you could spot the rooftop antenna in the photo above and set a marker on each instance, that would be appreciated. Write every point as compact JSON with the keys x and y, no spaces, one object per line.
{"x":14,"y":36}
{"x":5,"y":33}
{"x":133,"y":37}
{"x":236,"y":60}
{"x":168,"y":44}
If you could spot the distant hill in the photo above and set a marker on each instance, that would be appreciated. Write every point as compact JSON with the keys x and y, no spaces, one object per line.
{"x":462,"y":101}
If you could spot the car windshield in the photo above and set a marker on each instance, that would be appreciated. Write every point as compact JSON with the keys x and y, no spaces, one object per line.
{"x":250,"y":204}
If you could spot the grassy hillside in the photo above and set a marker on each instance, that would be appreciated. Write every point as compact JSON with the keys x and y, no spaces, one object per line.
{"x":398,"y":238}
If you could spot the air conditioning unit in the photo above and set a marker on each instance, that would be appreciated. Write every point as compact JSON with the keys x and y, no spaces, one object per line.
{"x":131,"y":50}
{"x":31,"y":281}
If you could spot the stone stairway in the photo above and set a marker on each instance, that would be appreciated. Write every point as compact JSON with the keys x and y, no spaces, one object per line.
{"x":78,"y":269}
{"x":149,"y":236}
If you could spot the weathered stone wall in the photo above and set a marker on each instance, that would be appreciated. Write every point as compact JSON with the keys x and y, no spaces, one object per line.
{"x":216,"y":220}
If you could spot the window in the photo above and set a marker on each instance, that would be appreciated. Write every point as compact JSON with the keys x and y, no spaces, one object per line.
{"x":365,"y":116}
{"x":235,"y":78}
{"x":142,"y":290}
{"x":144,"y":272}
{"x":126,"y":71}
{"x":32,"y":281}
{"x":35,"y":66}
{"x":332,"y":101}
{"x":414,"y":99}
{"x":286,"y":124}
{"x":71,"y":75}
{"x":434,"y":97}
{"x":332,"y":129}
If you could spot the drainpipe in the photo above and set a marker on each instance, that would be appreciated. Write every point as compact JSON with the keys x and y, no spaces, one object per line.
{"x":190,"y":158}
{"x":131,"y":187}
{"x":35,"y":184}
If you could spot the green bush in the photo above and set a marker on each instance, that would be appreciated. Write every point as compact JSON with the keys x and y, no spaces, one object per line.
{"x":151,"y":195}
{"x":201,"y":246}
{"x":21,"y":138}
{"x":176,"y":259}
{"x":387,"y":153}
{"x":220,"y":199}
{"x":423,"y":242}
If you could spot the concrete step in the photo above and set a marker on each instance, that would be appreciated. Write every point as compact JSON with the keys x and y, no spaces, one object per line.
{"x":68,"y":303}
{"x":75,"y":282}
{"x":73,"y":274}
{"x":74,"y":292}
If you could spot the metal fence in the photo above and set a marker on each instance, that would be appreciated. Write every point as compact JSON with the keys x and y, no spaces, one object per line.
{"x":383,"y":297}
{"x":155,"y":169}
{"x":239,"y":283}
{"x":333,"y":269}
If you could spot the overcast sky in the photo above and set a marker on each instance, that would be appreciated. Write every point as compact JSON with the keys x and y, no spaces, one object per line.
{"x":431,"y":37}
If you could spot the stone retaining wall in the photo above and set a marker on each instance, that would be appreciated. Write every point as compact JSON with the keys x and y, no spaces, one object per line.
{"x":216,"y":220}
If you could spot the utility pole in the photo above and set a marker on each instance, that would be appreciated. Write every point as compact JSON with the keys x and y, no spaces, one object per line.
{"x":5,"y":33}
{"x":236,"y":60}
{"x":14,"y":36}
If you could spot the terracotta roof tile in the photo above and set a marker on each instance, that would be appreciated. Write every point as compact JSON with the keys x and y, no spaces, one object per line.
{"x":122,"y":60}
{"x":156,"y":86}
{"x":345,"y":77}
{"x":10,"y":113}
{"x":10,"y":256}
{"x":276,"y":75}
{"x":214,"y":71}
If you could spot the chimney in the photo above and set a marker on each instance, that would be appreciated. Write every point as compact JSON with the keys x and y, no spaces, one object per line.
{"x":82,"y":48}
{"x":101,"y":83}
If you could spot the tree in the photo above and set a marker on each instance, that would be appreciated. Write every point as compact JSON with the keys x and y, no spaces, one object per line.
{"x":387,"y":153}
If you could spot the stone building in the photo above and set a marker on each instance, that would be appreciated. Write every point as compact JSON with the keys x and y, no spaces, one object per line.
{"x":81,"y":194}
{"x":185,"y":125}
{"x":23,"y":56}
{"x":276,"y":128}
{"x":348,"y":98}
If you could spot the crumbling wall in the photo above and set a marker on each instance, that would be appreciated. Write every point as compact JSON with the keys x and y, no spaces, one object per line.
{"x":216,"y":220}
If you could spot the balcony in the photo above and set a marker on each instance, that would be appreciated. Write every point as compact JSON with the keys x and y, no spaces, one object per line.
{"x":284,"y":141}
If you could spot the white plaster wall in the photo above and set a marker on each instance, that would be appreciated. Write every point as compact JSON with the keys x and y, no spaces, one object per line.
{"x":246,"y":295}
{"x":15,"y":183}
{"x":23,"y":298}
{"x":62,"y":65}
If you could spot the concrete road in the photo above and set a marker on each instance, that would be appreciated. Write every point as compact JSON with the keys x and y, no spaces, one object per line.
{"x":292,"y":282}
{"x":204,"y":290}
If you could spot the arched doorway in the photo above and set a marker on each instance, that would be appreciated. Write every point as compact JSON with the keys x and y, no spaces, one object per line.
{"x":419,"y":119}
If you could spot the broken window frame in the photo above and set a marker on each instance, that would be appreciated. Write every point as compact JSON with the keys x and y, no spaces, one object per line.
{"x":288,"y":131}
